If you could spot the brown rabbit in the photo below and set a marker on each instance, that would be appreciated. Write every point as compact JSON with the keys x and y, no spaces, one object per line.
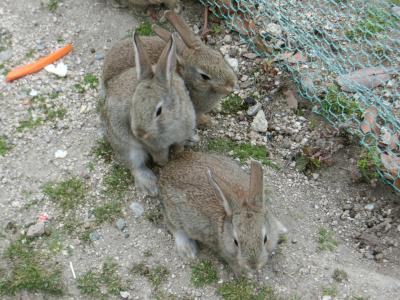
{"x":205,"y":72}
{"x":210,"y":199}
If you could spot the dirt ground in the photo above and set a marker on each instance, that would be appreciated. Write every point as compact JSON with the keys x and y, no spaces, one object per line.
{"x":368,"y":253}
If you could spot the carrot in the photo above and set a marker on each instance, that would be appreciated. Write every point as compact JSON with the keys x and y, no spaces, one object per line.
{"x":39,"y":64}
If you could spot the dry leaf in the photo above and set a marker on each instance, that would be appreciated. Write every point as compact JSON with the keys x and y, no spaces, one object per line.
{"x":291,"y":99}
{"x":368,"y":78}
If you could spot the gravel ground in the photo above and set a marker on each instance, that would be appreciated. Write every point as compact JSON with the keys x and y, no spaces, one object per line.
{"x":60,"y":114}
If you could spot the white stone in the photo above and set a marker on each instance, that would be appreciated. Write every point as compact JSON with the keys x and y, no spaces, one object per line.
{"x":125,"y":295}
{"x":233,"y":62}
{"x":274,"y":29}
{"x":260,"y":124}
{"x":60,"y":153}
{"x":60,"y":70}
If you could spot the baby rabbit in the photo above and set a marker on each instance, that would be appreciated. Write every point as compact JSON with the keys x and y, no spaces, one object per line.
{"x":210,"y":199}
{"x":204,"y":70}
{"x":146,"y":111}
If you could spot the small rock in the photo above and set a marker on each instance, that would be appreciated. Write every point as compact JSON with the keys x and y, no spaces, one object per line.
{"x":370,"y":206}
{"x":327,"y":297}
{"x":274,"y":29}
{"x":244,"y":78}
{"x":294,"y":241}
{"x":233,"y":62}
{"x":35,"y":230}
{"x":94,"y":236}
{"x":398,"y":228}
{"x":121,"y":224}
{"x":379,"y":257}
{"x":60,"y":153}
{"x":253,"y":110}
{"x":125,"y":295}
{"x":126,"y":235}
{"x":227,"y":39}
{"x":137,"y":209}
{"x":196,"y":29}
{"x":250,"y":55}
{"x":259,"y":123}
{"x":395,"y":10}
{"x":250,"y":101}
{"x":99,"y":56}
{"x":315,"y":176}
{"x":33,"y":93}
{"x":5,"y":55}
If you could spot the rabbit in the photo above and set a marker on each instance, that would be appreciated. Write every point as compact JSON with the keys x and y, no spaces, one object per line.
{"x":204,"y":70}
{"x":210,"y":199}
{"x":147,"y":110}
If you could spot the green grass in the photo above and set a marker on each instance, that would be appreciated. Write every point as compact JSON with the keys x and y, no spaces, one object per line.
{"x":216,"y":28}
{"x":30,"y":123}
{"x":337,"y":104}
{"x":340,"y":275}
{"x":326,"y":240}
{"x":329,"y":291}
{"x":117,"y":181}
{"x":203,"y":273}
{"x":145,"y":29}
{"x":79,"y":88}
{"x":68,"y":194}
{"x":52,"y":5}
{"x":376,"y":20}
{"x":30,"y":53}
{"x":155,"y":275}
{"x":91,"y":80}
{"x":368,"y":164}
{"x":103,"y":150}
{"x":3,"y":146}
{"x":108,"y":212}
{"x":153,"y":215}
{"x":242,"y":151}
{"x":232,"y":104}
{"x":29,"y":270}
{"x":243,"y":289}
{"x":92,"y":283}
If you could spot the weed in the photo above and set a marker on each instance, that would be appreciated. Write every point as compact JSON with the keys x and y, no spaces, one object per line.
{"x":117,"y":181}
{"x":368,"y":164}
{"x":103,"y":150}
{"x":52,"y":5}
{"x":243,"y":289}
{"x":154,"y":215}
{"x":3,"y":146}
{"x":30,"y":271}
{"x":339,"y":275}
{"x":107,"y":212}
{"x":326,"y":240}
{"x":338,"y":105}
{"x":242,"y":151}
{"x":30,"y":123}
{"x":67,"y":194}
{"x":30,"y":53}
{"x":145,"y":29}
{"x":89,"y":284}
{"x":203,"y":273}
{"x":111,"y":278}
{"x":54,"y":243}
{"x":232,"y":104}
{"x":216,"y":28}
{"x":79,"y":88}
{"x":147,"y":253}
{"x":330,"y":291}
{"x":91,"y":80}
{"x":156,"y":275}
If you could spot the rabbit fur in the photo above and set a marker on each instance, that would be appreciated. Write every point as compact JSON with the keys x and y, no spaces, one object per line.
{"x":147,"y":110}
{"x":210,"y":199}
{"x":205,"y":72}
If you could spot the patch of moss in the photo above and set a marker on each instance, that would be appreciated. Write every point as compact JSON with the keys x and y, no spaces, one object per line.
{"x":232,"y":104}
{"x":145,"y":29}
{"x":242,"y":151}
{"x":154,"y":215}
{"x":30,"y":271}
{"x":155,"y":275}
{"x":117,"y":181}
{"x":108,"y":212}
{"x":103,"y":150}
{"x":203,"y":273}
{"x":91,"y":80}
{"x":368,"y":164}
{"x":330,"y":291}
{"x":326,"y":240}
{"x":52,"y":5}
{"x":340,"y":275}
{"x":4,"y":147}
{"x":243,"y":289}
{"x":67,"y":194}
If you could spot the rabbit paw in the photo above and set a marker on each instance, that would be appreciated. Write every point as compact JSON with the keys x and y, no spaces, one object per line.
{"x":193,"y":140}
{"x":186,"y":247}
{"x":203,"y":121}
{"x":146,"y":181}
{"x":161,"y":158}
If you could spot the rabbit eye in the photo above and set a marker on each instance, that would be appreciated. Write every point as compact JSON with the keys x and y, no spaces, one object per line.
{"x":205,"y":77}
{"x":159,"y":110}
{"x":265,"y":239}
{"x":236,"y":242}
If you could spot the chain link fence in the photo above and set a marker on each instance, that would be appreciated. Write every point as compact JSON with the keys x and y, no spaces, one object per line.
{"x":344,"y":57}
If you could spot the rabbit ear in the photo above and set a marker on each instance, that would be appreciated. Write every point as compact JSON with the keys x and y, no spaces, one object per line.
{"x":256,"y":191}
{"x":188,"y":37}
{"x":167,"y":62}
{"x":165,"y":35}
{"x":142,"y":62}
{"x":219,"y":193}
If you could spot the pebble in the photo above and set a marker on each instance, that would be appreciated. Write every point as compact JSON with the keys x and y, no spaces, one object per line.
{"x":121,"y":224}
{"x":33,"y":93}
{"x":250,"y":55}
{"x":35,"y":230}
{"x":244,"y":78}
{"x":370,"y":206}
{"x":137,"y":209}
{"x":60,"y":153}
{"x":233,"y":62}
{"x":227,"y":39}
{"x":259,"y":123}
{"x":327,"y":297}
{"x":125,"y":295}
{"x":250,"y":101}
{"x":196,"y":30}
{"x":274,"y":29}
{"x":99,"y":56}
{"x":253,"y":110}
{"x":94,"y":236}
{"x":315,"y":176}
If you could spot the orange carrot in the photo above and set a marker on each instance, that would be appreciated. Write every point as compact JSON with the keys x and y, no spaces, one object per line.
{"x":39,"y":64}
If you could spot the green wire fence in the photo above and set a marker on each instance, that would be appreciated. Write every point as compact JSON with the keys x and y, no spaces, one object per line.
{"x":343,"y":55}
